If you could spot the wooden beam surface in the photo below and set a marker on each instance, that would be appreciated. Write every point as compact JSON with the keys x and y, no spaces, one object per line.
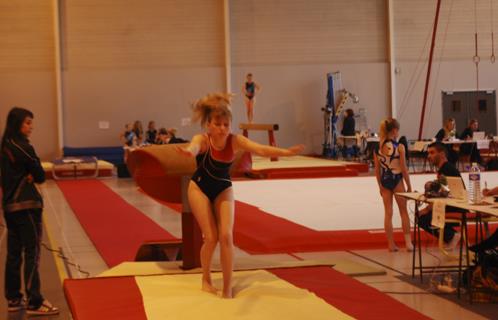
{"x":258,"y":126}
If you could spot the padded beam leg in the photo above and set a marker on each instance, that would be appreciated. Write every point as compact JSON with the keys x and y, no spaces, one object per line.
{"x":191,"y":232}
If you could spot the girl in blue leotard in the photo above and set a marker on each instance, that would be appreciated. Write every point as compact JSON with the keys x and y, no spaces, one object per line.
{"x":390,"y":171}
{"x":250,"y":89}
{"x":210,"y":190}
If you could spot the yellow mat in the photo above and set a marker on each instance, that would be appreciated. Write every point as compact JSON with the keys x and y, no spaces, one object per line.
{"x":345,"y":266}
{"x":259,"y":163}
{"x":102,"y":165}
{"x":258,"y":295}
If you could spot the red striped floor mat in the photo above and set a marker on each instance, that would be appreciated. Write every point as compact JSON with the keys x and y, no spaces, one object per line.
{"x":120,"y":298}
{"x":116,"y":228}
{"x":347,"y":294}
{"x":257,"y":231}
{"x":104,"y":298}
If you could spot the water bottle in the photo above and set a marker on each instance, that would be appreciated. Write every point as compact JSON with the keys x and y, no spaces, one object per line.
{"x":475,"y":184}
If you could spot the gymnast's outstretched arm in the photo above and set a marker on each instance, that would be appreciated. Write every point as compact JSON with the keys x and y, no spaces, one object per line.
{"x":242,"y":143}
{"x":197,"y":145}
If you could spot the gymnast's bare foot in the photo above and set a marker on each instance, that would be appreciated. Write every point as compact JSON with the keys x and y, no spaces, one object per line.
{"x":393,"y":248}
{"x":208,"y":287}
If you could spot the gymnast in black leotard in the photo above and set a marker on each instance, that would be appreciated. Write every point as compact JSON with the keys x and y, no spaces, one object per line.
{"x":210,"y":192}
{"x":250,"y":89}
{"x":213,"y":169}
{"x":391,"y":170}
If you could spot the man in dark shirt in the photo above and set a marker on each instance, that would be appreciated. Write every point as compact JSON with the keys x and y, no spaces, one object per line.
{"x":437,"y":156}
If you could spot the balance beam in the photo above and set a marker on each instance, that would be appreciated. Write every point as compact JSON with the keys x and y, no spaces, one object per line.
{"x":245,"y":127}
{"x":259,"y":126}
{"x":164,"y":174}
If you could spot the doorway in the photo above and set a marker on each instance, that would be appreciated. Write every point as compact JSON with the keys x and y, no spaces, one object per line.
{"x":466,"y":105}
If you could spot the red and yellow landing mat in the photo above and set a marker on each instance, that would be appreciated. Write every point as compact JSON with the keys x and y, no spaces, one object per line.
{"x":292,"y":293}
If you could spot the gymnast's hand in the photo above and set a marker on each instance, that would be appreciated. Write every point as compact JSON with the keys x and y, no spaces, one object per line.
{"x":184,"y":152}
{"x":297,"y":149}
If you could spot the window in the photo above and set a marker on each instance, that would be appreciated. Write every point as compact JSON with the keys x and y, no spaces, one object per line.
{"x":483,"y":105}
{"x":456,"y":105}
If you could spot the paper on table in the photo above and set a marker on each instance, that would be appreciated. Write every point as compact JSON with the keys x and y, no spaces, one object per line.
{"x":438,"y":214}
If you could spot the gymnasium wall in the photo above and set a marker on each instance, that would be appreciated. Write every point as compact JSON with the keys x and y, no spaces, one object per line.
{"x":137,"y":60}
{"x":453,"y":68}
{"x":142,"y":60}
{"x":290,"y":47}
{"x":27,"y":68}
{"x":120,"y":69}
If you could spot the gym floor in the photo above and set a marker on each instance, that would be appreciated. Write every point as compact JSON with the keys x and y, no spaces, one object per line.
{"x":64,"y":233}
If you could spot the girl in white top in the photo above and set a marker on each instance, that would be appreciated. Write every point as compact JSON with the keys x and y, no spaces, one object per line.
{"x":390,"y":171}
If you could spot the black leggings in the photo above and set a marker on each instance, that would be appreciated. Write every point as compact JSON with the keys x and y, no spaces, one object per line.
{"x":24,"y":232}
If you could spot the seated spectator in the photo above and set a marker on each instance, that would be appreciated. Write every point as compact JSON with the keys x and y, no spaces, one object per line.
{"x":128,"y":137}
{"x":437,"y":156}
{"x":470,"y":149}
{"x":492,"y":241}
{"x":150,"y":135}
{"x":448,"y":132}
{"x":173,"y":138}
{"x":139,"y":131}
{"x":163,"y":136}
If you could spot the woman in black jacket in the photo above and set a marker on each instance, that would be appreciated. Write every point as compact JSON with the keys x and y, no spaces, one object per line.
{"x":447,"y":133}
{"x":22,"y":204}
{"x":348,"y":125}
{"x":470,"y":149}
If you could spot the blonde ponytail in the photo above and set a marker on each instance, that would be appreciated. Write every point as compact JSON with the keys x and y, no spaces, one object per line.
{"x":382,"y":130}
{"x":386,"y":126}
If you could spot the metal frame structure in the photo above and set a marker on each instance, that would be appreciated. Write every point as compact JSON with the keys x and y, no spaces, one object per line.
{"x":332,"y":112}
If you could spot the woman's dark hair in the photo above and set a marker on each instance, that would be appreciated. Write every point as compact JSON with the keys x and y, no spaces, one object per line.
{"x":440,"y":147}
{"x":350,"y":112}
{"x":472,"y":121}
{"x":404,"y":141}
{"x":15,"y":118}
